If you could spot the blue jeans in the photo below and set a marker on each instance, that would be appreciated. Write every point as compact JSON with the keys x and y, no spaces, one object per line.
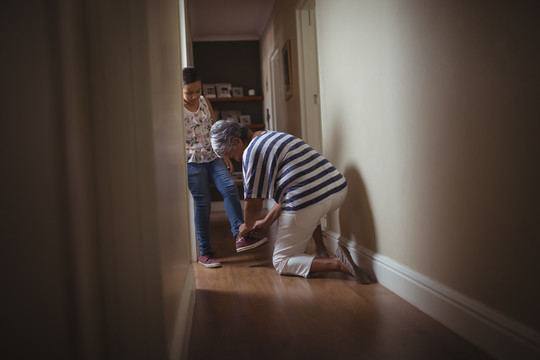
{"x":200,"y":175}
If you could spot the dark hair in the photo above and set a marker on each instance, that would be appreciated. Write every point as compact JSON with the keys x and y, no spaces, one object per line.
{"x":223,"y":132}
{"x":189,"y":75}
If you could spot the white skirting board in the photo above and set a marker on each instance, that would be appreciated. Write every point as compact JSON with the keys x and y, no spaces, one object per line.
{"x":182,"y":329}
{"x":496,"y":334}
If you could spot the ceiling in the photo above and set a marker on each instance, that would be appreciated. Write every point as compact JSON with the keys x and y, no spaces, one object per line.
{"x":228,"y":20}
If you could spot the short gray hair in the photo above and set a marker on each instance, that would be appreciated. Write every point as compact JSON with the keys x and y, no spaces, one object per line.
{"x":223,"y":132}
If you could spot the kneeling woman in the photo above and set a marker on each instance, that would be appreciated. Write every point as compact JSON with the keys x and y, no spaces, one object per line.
{"x":305,"y":187}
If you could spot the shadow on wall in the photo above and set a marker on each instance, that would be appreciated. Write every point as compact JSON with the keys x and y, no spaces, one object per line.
{"x":356,"y":222}
{"x":356,"y":218}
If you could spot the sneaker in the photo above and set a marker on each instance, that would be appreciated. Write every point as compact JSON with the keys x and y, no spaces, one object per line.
{"x":248,"y":242}
{"x":209,"y":260}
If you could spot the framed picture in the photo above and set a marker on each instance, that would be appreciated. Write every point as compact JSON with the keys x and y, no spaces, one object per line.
{"x":237,"y":91}
{"x":209,"y":90}
{"x":223,"y":90}
{"x":287,"y":70}
{"x":244,"y":119}
{"x":231,"y":115}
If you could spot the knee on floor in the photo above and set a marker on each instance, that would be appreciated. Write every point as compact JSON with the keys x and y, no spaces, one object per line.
{"x":279,"y":263}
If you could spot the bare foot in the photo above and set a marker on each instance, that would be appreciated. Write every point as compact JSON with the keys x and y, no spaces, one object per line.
{"x":344,"y":257}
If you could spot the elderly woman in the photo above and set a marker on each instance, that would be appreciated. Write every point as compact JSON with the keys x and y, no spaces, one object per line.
{"x":305,"y":187}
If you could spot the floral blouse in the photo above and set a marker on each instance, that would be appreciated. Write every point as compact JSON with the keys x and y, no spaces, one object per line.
{"x":197,"y":127}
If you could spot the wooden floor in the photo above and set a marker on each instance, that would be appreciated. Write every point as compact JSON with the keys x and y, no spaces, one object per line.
{"x":244,"y":310}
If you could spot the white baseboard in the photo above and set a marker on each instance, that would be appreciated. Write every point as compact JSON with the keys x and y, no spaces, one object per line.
{"x":496,"y":334}
{"x":182,"y":330}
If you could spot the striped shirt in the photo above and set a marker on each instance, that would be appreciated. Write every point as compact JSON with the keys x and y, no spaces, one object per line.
{"x":284,"y":168}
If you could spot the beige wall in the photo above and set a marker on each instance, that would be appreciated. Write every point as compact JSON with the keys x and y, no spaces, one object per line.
{"x":430,"y":109}
{"x":95,"y":227}
{"x":170,"y":172}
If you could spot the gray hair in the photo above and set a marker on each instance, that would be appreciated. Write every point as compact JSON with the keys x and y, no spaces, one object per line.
{"x":223,"y":132}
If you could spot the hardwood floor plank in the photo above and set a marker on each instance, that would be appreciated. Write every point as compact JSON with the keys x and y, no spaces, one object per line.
{"x":245,"y":310}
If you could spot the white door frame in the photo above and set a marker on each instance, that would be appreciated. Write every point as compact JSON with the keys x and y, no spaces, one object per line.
{"x":271,"y":106}
{"x":309,"y":75}
{"x":276,"y":92}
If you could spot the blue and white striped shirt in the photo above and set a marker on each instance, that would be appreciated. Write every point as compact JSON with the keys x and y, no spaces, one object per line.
{"x":282,"y":167}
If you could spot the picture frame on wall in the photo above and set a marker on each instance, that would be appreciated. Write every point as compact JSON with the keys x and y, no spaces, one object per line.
{"x":237,"y":91}
{"x":223,"y":90}
{"x":287,"y":70}
{"x":244,"y":119}
{"x":231,"y":115}
{"x":209,"y":90}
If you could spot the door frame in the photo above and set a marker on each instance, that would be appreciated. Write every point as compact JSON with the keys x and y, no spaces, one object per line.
{"x":308,"y":65}
{"x":276,"y":89}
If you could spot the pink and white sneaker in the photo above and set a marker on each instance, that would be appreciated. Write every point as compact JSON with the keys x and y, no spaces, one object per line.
{"x":209,"y":261}
{"x":248,"y":242}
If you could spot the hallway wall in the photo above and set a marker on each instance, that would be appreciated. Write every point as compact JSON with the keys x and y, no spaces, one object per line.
{"x":431,"y":108}
{"x":96,"y":256}
{"x":35,"y":256}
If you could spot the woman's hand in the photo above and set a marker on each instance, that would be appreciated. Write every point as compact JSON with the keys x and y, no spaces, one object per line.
{"x":243,"y":230}
{"x":260,"y":225}
{"x":263,"y":224}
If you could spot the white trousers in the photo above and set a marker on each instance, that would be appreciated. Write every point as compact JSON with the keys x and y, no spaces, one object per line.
{"x":295,"y":231}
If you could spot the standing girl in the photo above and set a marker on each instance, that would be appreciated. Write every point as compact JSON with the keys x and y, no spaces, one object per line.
{"x":205,"y":167}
